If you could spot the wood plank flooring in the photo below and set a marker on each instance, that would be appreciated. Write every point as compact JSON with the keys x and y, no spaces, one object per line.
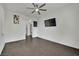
{"x":37,"y":47}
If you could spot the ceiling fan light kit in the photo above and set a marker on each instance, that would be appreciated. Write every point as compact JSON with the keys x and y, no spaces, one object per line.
{"x":37,"y":8}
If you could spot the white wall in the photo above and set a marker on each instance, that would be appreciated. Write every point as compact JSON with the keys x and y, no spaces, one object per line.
{"x":13,"y":31}
{"x":67,"y":30}
{"x":2,"y":41}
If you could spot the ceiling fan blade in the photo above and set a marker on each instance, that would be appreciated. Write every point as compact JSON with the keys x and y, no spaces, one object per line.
{"x":42,"y":5}
{"x":33,"y":11}
{"x":38,"y":12}
{"x":29,"y":8}
{"x":43,"y":9}
{"x":34,"y":4}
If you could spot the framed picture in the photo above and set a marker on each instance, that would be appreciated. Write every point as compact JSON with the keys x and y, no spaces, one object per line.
{"x":35,"y":23}
{"x":15,"y":19}
{"x":50,"y":22}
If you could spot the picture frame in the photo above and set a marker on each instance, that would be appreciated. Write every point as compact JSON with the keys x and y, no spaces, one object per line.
{"x":35,"y":23}
{"x":15,"y":19}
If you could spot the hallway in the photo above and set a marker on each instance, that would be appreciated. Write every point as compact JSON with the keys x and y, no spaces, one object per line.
{"x":37,"y":47}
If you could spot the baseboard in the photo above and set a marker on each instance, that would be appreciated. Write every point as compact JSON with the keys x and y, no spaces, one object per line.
{"x":60,"y":43}
{"x":34,"y":36}
{"x":14,"y":40}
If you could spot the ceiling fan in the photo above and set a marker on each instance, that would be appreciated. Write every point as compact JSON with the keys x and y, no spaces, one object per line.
{"x":37,"y":8}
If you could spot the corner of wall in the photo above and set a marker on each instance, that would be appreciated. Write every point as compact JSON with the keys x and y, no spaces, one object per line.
{"x":2,"y":47}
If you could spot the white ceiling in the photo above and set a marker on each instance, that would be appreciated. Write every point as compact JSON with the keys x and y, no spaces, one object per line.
{"x":21,"y":8}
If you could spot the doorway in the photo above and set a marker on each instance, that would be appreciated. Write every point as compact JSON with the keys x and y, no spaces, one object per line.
{"x":28,"y":31}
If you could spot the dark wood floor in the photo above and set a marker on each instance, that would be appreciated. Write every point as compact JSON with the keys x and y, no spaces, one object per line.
{"x":37,"y":47}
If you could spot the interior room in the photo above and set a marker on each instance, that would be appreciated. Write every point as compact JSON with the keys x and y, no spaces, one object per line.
{"x":39,"y":29}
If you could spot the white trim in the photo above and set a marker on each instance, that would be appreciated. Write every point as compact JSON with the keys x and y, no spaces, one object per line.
{"x":59,"y":42}
{"x":14,"y":40}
